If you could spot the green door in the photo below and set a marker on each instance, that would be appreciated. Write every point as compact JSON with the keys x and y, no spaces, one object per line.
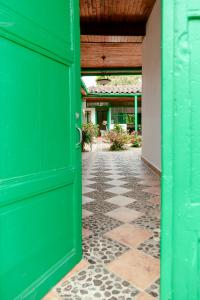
{"x":180,"y":261}
{"x":40,"y":192}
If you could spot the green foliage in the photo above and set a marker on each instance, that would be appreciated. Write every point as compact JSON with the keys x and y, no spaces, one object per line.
{"x":136,"y":139}
{"x":89,"y":131}
{"x":118,"y":138}
{"x":130,"y":118}
{"x":118,"y":128}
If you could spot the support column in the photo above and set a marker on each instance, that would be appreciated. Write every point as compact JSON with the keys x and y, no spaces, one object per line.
{"x":109,"y":118}
{"x":136,"y":111}
{"x":95,"y":116}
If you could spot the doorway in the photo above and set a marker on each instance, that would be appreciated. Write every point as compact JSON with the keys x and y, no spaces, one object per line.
{"x":40,"y":136}
{"x":102,"y":117}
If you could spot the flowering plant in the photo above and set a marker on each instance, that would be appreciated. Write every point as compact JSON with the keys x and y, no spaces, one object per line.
{"x":118,"y":138}
{"x":136,"y":139}
{"x":89,"y":131}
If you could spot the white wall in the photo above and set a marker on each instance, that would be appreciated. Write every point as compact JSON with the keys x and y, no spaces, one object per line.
{"x":92,"y":110}
{"x":93,"y":115}
{"x":151,"y":102}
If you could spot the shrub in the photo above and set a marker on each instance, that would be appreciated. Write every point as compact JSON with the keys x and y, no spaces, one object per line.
{"x":136,"y":139}
{"x":118,"y":138}
{"x":89,"y":131}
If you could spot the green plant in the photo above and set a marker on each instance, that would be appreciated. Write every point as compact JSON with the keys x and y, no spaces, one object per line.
{"x":89,"y":131}
{"x":136,"y":139}
{"x":130,"y":118}
{"x":118,"y":138}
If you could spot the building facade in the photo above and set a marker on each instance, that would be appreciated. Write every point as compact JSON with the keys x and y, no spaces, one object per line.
{"x":107,"y":106}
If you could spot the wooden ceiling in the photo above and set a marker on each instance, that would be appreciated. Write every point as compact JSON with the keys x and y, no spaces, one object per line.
{"x":112,"y":32}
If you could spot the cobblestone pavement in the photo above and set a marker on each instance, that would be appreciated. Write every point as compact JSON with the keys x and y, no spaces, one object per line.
{"x":121,"y":231}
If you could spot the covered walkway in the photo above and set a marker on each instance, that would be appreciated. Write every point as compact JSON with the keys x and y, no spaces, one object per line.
{"x":121,"y":220}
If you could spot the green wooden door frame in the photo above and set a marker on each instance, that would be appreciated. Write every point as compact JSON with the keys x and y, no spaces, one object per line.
{"x":180,"y":259}
{"x":167,"y":149}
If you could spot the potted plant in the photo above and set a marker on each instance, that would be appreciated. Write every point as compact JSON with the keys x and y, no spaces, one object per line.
{"x":118,"y":138}
{"x":89,"y":131}
{"x":136,"y":139}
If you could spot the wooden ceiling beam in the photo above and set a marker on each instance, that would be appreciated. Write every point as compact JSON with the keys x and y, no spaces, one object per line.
{"x":113,"y":28}
{"x":116,"y":55}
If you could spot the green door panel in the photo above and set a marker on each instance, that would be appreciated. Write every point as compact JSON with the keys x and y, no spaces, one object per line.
{"x":180,"y":255}
{"x":40,"y":166}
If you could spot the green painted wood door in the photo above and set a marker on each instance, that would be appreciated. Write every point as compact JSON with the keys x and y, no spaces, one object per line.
{"x":180,"y":260}
{"x":40,"y":187}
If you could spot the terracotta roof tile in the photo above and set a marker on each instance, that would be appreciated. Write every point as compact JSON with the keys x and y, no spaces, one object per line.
{"x":124,"y":89}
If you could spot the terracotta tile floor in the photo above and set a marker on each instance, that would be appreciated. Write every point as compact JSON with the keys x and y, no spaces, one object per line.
{"x":121,"y":233}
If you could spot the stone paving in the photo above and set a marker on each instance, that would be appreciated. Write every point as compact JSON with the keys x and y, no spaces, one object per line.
{"x":121,"y":231}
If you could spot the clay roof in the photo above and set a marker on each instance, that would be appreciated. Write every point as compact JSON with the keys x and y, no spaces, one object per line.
{"x":124,"y":89}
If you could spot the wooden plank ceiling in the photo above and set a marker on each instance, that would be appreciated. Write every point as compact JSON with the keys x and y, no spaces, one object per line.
{"x":112,"y":32}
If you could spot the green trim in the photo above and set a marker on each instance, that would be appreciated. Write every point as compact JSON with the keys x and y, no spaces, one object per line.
{"x":112,"y":95}
{"x":84,"y":87}
{"x":168,"y":110}
{"x":109,"y":118}
{"x":111,"y":71}
{"x":108,"y":106}
{"x":136,"y":112}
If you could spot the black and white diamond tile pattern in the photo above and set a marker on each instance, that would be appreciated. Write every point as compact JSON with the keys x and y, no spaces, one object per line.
{"x":138,"y":195}
{"x":100,"y":179}
{"x":95,"y":282}
{"x":154,"y":289}
{"x":99,"y":224}
{"x":100,"y":186}
{"x":108,"y":179}
{"x":118,"y":182}
{"x":86,"y":189}
{"x":100,"y":207}
{"x":101,"y":249}
{"x":151,"y":246}
{"x":130,"y":184}
{"x":100,"y":195}
{"x":147,"y":222}
{"x":102,"y":174}
{"x":86,"y":200}
{"x":135,"y":186}
{"x":142,"y":206}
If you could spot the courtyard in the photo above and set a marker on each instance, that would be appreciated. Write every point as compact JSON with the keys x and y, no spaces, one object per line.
{"x":121,"y":230}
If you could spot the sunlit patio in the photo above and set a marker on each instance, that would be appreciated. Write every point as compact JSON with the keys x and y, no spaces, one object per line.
{"x":121,"y":230}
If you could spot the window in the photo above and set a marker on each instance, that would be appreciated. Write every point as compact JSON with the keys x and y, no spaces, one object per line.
{"x":122,"y":115}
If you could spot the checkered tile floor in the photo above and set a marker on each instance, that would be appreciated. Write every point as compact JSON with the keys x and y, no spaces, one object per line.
{"x":121,"y":219}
